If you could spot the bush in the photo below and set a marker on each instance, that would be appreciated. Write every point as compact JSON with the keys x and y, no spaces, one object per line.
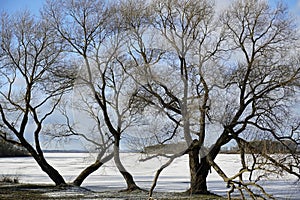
{"x":10,"y":150}
{"x":8,"y":179}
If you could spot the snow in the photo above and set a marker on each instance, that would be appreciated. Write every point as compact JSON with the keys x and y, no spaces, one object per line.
{"x":175,"y":178}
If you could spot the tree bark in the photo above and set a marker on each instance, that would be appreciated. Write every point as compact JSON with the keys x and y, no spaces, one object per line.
{"x":44,"y":165}
{"x":90,"y":169}
{"x":131,"y":185}
{"x":52,"y":173}
{"x":199,"y":169}
{"x":198,"y":172}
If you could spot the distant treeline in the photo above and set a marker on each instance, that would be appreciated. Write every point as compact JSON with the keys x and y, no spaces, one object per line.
{"x":10,"y":150}
{"x":165,"y":148}
{"x":271,"y":147}
{"x":66,"y":151}
{"x":266,"y":146}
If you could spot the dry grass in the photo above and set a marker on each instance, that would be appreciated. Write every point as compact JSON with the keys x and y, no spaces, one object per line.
{"x":48,"y":192}
{"x":8,"y":179}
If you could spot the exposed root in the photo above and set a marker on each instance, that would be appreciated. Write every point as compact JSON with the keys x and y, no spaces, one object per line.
{"x":189,"y":192}
{"x":134,"y":188}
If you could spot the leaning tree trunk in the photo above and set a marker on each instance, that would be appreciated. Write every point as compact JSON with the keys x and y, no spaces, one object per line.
{"x":44,"y":165}
{"x":90,"y":169}
{"x":126,"y":175}
{"x":52,"y":173}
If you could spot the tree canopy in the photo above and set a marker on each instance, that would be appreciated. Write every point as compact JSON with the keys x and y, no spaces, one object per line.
{"x":154,"y":73}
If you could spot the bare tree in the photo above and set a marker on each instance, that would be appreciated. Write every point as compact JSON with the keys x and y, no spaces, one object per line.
{"x":90,"y":32}
{"x":87,"y":128}
{"x":239,"y":76}
{"x":31,"y":88}
{"x":263,"y":81}
{"x":175,"y":74}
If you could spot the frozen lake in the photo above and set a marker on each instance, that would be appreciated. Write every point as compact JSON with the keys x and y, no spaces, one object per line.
{"x":174,"y":178}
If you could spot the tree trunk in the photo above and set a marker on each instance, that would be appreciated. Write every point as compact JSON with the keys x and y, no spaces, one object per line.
{"x":53,"y":174}
{"x":126,"y":175}
{"x":90,"y":169}
{"x":198,"y":172}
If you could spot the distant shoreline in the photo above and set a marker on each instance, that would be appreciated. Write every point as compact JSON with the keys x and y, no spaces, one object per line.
{"x":65,"y":151}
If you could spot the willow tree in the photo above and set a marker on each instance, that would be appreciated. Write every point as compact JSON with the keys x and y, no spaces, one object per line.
{"x":31,"y":86}
{"x":263,"y":83}
{"x":94,"y":34}
{"x":233,"y":77}
{"x":174,"y":69}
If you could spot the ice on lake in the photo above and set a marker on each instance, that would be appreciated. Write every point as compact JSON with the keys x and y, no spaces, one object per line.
{"x":175,"y":178}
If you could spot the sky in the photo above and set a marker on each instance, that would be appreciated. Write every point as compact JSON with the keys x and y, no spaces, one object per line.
{"x":18,"y":5}
{"x":35,"y":5}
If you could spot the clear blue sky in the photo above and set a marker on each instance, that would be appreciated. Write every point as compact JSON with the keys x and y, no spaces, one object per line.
{"x":35,"y":5}
{"x":17,"y":5}
{"x":294,"y":5}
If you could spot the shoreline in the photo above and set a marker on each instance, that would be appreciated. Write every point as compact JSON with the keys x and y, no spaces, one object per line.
{"x":47,"y":192}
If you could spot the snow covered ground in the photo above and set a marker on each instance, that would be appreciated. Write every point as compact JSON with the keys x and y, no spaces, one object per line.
{"x":175,"y":178}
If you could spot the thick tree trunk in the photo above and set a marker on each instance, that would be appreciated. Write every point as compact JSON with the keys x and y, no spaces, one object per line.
{"x":126,"y":175}
{"x":90,"y":169}
{"x":44,"y":165}
{"x":52,"y":173}
{"x":198,"y":172}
